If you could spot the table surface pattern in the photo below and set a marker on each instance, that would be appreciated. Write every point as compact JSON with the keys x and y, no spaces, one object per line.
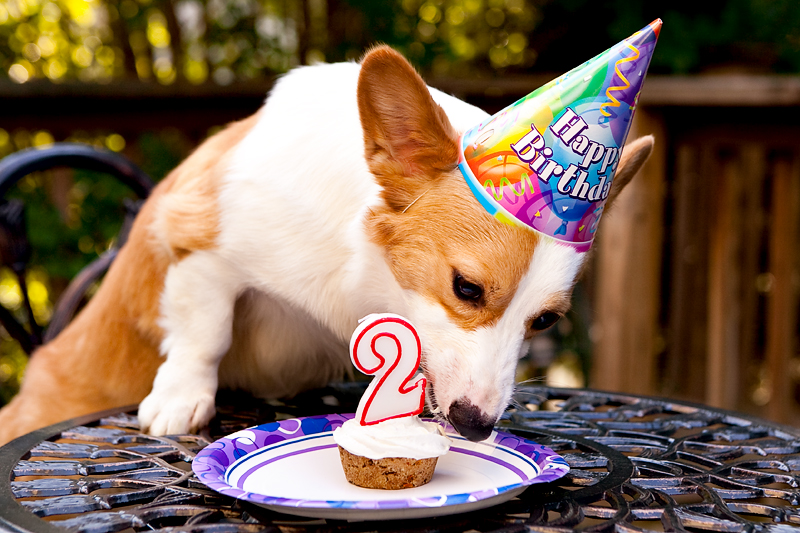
{"x":636,"y":463}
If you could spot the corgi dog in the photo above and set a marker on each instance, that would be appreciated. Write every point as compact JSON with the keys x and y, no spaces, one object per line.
{"x":252,"y":262}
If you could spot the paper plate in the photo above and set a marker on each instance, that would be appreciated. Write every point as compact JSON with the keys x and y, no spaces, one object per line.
{"x":293,"y":467}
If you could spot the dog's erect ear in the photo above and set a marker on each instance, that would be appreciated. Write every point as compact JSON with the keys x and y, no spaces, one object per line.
{"x":408,"y":138}
{"x":633,"y":157}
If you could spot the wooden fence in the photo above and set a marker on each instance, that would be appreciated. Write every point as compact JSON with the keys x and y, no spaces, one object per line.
{"x":695,"y":274}
{"x":697,"y":267}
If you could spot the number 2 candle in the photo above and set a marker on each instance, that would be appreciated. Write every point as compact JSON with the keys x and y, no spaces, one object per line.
{"x":387,"y":347}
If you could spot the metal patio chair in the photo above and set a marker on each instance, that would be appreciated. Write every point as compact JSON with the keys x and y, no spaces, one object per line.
{"x":15,"y":248}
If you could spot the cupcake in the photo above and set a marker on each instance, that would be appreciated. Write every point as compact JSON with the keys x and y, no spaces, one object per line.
{"x":398,"y":453}
{"x":386,"y":445}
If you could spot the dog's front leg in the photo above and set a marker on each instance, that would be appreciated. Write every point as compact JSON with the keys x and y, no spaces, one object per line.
{"x":197,"y":314}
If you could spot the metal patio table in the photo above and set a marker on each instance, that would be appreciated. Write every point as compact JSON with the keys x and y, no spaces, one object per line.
{"x":637,"y":463}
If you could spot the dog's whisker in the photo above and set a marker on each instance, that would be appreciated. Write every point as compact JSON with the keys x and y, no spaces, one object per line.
{"x":415,"y":199}
{"x":539,"y":379}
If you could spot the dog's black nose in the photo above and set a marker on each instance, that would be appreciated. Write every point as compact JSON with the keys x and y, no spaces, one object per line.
{"x":469,"y":420}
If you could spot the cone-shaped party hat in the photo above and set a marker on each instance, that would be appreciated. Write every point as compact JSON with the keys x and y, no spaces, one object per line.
{"x":547,"y":161}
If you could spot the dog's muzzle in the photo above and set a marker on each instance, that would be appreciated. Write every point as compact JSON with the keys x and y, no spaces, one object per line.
{"x":469,"y":420}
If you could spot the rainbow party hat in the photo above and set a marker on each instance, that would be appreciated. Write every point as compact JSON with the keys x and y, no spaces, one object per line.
{"x":547,"y":161}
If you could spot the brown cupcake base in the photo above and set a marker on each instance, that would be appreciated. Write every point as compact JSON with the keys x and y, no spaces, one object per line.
{"x":391,"y":473}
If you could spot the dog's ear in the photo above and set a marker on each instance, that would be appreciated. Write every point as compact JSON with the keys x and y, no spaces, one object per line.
{"x":408,"y":138}
{"x":634,"y":156}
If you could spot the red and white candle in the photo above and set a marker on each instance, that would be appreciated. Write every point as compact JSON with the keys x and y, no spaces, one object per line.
{"x":387,"y":347}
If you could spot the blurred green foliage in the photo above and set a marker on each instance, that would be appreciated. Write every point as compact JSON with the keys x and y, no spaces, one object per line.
{"x":73,"y":216}
{"x":222,"y":41}
{"x":65,"y":240}
{"x":757,"y":35}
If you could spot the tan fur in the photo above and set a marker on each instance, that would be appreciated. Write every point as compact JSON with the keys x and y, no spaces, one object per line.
{"x":187,"y":218}
{"x":412,"y":149}
{"x":408,"y":138}
{"x":466,"y":240}
{"x":558,"y":303}
{"x":108,"y":355}
{"x":633,"y":158}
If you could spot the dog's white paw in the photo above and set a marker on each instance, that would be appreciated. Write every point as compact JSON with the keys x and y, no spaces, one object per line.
{"x":176,"y":407}
{"x":175,"y":415}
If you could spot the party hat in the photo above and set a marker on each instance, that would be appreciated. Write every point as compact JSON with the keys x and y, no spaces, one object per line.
{"x":547,"y":161}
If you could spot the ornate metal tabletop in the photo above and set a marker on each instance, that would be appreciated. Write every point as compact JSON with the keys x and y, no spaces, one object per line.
{"x":637,"y":464}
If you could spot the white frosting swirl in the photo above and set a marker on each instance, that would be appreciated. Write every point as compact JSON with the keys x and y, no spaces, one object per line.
{"x":397,"y":437}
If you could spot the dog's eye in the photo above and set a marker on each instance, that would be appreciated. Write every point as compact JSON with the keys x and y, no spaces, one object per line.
{"x":544,"y":321}
{"x":465,"y":290}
